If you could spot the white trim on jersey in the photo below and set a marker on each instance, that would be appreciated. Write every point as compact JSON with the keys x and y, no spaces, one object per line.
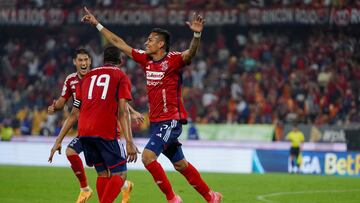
{"x":106,"y":67}
{"x":140,"y":51}
{"x":70,"y":76}
{"x":63,"y":91}
{"x":174,"y":53}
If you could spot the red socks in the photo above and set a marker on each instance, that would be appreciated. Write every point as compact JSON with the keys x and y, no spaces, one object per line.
{"x":101,"y":183}
{"x":190,"y":173}
{"x":112,"y":189}
{"x":194,"y":178}
{"x":78,"y":168}
{"x":160,"y":178}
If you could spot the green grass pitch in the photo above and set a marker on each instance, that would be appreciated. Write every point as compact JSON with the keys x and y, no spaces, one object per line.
{"x":52,"y":184}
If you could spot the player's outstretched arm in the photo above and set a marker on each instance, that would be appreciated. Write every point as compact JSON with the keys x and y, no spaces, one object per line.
{"x":113,"y":39}
{"x":57,"y":105}
{"x":197,"y":26}
{"x":125,"y":121}
{"x":68,"y":124}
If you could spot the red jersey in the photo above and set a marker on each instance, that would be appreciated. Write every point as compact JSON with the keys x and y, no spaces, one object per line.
{"x":69,"y":86}
{"x":163,"y":82}
{"x":97,"y":97}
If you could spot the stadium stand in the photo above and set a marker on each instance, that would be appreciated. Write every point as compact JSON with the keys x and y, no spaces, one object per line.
{"x":193,"y":4}
{"x":256,"y":75}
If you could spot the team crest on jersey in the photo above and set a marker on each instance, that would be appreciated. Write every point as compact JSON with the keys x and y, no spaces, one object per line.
{"x":164,"y":66}
{"x":74,"y":82}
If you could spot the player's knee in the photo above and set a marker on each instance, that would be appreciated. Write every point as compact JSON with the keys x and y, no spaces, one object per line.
{"x":70,"y":152}
{"x":147,"y":158}
{"x":104,"y":173}
{"x":180,"y":165}
{"x":123,"y":175}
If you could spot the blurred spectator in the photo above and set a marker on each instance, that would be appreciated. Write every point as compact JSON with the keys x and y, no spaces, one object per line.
{"x":270,"y":77}
{"x":253,"y":76}
{"x":26,"y":125}
{"x":6,"y":131}
{"x":192,"y":132}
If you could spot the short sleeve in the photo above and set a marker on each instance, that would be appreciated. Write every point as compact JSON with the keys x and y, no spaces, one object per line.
{"x":140,"y":57}
{"x":66,"y":90}
{"x":177,"y":59}
{"x":124,"y":91}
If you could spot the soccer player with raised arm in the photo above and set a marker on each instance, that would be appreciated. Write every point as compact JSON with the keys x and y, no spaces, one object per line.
{"x":167,"y":113}
{"x":100,"y":106}
{"x":82,"y":62}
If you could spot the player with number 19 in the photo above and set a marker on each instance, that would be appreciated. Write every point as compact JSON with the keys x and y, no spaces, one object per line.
{"x":82,"y":62}
{"x":101,"y":103}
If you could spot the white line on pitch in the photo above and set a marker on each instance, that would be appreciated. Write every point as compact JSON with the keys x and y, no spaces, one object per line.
{"x":265,"y":196}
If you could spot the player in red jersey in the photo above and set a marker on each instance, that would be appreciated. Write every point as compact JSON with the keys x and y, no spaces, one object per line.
{"x":167,"y":113}
{"x":100,"y":104}
{"x":82,"y":62}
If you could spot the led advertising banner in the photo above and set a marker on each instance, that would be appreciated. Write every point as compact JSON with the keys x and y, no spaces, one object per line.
{"x":324,"y":163}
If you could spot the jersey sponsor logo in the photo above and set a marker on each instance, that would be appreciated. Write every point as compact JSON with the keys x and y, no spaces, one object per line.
{"x":154,"y":75}
{"x":152,"y":83}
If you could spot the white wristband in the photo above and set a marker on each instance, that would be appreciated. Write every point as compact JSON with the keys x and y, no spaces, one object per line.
{"x":197,"y":34}
{"x":99,"y":27}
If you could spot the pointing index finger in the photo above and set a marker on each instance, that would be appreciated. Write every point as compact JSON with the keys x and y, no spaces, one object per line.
{"x":86,"y":10}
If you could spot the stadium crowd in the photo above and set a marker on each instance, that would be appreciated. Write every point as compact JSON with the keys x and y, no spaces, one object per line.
{"x":257,"y":76}
{"x":264,"y":77}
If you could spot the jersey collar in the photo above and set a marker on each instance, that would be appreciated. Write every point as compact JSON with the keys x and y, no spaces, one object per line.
{"x":160,"y":60}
